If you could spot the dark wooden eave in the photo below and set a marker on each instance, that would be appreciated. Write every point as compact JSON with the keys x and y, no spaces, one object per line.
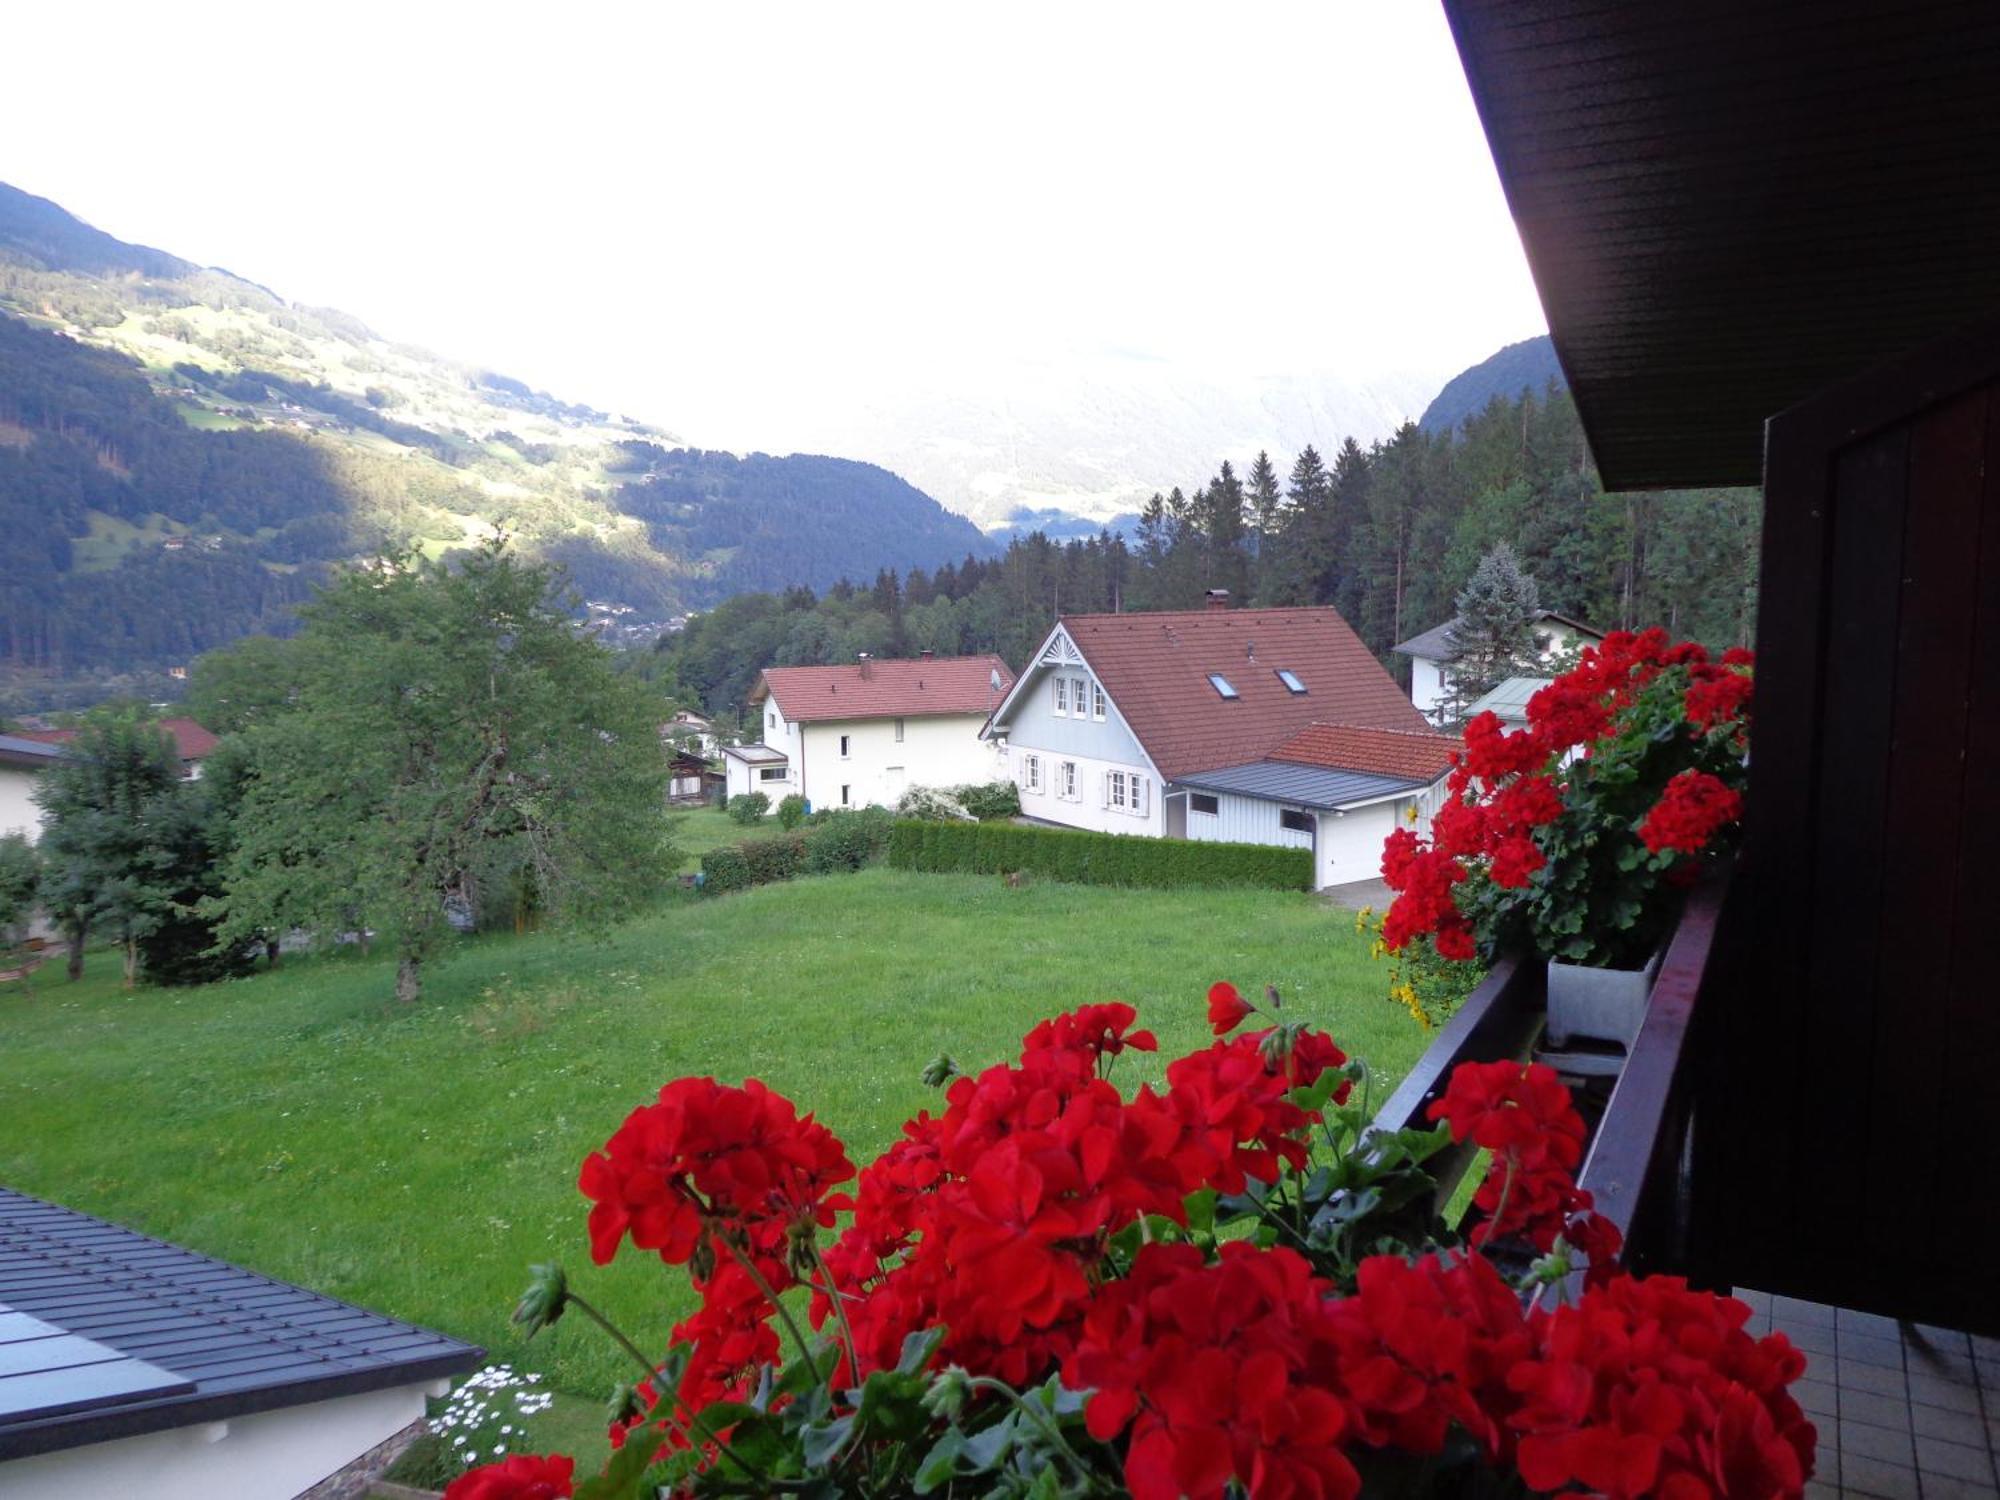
{"x":1730,"y":204}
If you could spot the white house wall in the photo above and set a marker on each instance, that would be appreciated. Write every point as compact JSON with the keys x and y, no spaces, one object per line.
{"x":936,"y":750}
{"x":1090,"y":808}
{"x":272,"y":1455}
{"x":1427,"y":689}
{"x":1348,"y":846}
{"x":1096,"y":746}
{"x":18,"y":813}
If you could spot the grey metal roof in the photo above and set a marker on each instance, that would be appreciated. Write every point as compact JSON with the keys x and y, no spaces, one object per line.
{"x":1435,"y":644}
{"x":1510,"y":699}
{"x":754,"y":753}
{"x":1303,"y":786}
{"x":119,"y":1334}
{"x":17,"y":751}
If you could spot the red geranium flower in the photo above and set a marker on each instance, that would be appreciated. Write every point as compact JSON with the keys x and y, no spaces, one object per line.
{"x":523,"y":1476}
{"x":1226,"y":1008}
{"x":1693,"y":808}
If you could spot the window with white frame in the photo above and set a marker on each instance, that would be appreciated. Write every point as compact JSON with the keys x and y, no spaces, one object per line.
{"x":844,"y":748}
{"x":1031,"y":772}
{"x":845,"y":798}
{"x":899,"y":731}
{"x":1135,"y":792}
{"x":771,"y":721}
{"x":1062,"y":697}
{"x":1066,"y":781}
{"x":1294,"y":821}
{"x":1079,"y":694}
{"x":1115,"y":794}
{"x":770,"y":773}
{"x":1202,"y":802}
{"x":1097,"y":702}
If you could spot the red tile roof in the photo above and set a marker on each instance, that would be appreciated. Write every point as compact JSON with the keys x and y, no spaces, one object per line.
{"x":1156,"y":668}
{"x":896,"y":688}
{"x":191,"y":741}
{"x":1421,"y":756}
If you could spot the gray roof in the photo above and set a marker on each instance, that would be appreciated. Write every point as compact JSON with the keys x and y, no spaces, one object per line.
{"x":1510,"y":699}
{"x":105,"y":1333}
{"x":17,"y":751}
{"x":754,"y":753}
{"x":1303,"y":786}
{"x":1435,"y":644}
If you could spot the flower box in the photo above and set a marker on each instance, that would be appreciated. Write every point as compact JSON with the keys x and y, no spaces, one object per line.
{"x":1599,"y":1005}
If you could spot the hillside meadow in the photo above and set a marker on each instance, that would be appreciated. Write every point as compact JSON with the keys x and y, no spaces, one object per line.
{"x":418,"y":1160}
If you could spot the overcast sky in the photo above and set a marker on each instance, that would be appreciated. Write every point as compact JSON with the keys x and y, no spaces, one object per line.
{"x":712,"y":215}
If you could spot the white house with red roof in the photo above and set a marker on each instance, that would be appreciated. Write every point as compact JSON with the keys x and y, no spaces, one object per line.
{"x":1262,"y":726}
{"x":863,"y":733}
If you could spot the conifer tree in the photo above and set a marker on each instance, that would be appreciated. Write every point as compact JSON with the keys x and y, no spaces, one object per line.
{"x":1264,"y":499}
{"x":1493,"y":637}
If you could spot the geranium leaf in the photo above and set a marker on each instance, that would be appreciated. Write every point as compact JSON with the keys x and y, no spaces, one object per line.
{"x":941,"y":1463}
{"x":918,"y":1349}
{"x":823,"y":1441}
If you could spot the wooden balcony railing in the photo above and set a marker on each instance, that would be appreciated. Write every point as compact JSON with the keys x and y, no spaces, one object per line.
{"x":1637,"y":1165}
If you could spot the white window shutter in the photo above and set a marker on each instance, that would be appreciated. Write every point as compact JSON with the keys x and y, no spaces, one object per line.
{"x":1103,"y":788}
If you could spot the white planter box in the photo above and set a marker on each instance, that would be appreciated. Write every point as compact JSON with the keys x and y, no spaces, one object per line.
{"x":1603,"y":1005}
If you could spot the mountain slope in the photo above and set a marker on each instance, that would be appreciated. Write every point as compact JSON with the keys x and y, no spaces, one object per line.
{"x":1529,"y":365}
{"x":192,"y":448}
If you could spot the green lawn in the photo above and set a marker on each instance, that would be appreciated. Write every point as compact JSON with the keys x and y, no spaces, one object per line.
{"x":418,"y":1160}
{"x":700,"y":829}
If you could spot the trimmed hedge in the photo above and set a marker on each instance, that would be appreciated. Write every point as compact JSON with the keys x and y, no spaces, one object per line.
{"x":1085,"y":858}
{"x":831,"y":842}
{"x":737,"y":867}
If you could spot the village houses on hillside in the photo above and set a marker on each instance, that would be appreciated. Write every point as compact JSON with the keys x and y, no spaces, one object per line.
{"x":1260,"y":726}
{"x":863,"y":733}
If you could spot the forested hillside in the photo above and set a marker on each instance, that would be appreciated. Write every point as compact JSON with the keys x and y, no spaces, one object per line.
{"x":1389,"y":534}
{"x":1527,"y":366}
{"x":182,"y":453}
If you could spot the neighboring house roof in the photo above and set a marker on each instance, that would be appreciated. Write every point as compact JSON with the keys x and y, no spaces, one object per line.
{"x":1305,"y":786}
{"x":1509,"y":699}
{"x":19,"y":750}
{"x":1156,"y":669}
{"x":905,"y":687}
{"x":105,"y":1333}
{"x":755,"y":754}
{"x":1435,"y":644}
{"x":191,"y":741}
{"x":1378,"y":752}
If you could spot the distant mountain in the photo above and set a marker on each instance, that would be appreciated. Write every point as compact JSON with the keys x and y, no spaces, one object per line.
{"x":1529,"y":365}
{"x":1093,"y":434}
{"x":1061,"y":525}
{"x":182,"y":453}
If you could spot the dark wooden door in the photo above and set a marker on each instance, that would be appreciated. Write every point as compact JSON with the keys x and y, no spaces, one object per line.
{"x":1851,"y":1121}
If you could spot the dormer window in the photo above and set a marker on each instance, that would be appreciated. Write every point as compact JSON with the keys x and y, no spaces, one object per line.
{"x":1222,"y":685}
{"x":1291,"y":681}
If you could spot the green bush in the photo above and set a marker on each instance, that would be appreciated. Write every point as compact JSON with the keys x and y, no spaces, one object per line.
{"x":848,"y":840}
{"x":995,"y":799}
{"x":792,"y":811}
{"x":737,"y":867}
{"x":1095,"y":858}
{"x":747,"y":807}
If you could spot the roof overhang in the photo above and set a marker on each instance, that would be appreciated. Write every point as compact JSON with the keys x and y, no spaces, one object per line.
{"x":1728,"y":206}
{"x":756,"y":755}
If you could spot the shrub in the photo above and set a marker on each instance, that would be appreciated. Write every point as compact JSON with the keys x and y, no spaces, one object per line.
{"x":792,"y":811}
{"x":934,"y":804}
{"x":737,"y":867}
{"x":994,"y":799}
{"x":848,"y":840}
{"x":747,"y":807}
{"x":981,"y":801}
{"x":1095,"y":858}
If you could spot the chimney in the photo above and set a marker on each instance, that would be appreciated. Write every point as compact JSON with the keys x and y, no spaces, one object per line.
{"x":1218,"y":598}
{"x":925,"y":655}
{"x":867,"y":667}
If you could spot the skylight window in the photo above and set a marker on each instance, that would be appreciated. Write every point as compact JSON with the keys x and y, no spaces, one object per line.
{"x":1291,"y":681}
{"x":1221,"y":684}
